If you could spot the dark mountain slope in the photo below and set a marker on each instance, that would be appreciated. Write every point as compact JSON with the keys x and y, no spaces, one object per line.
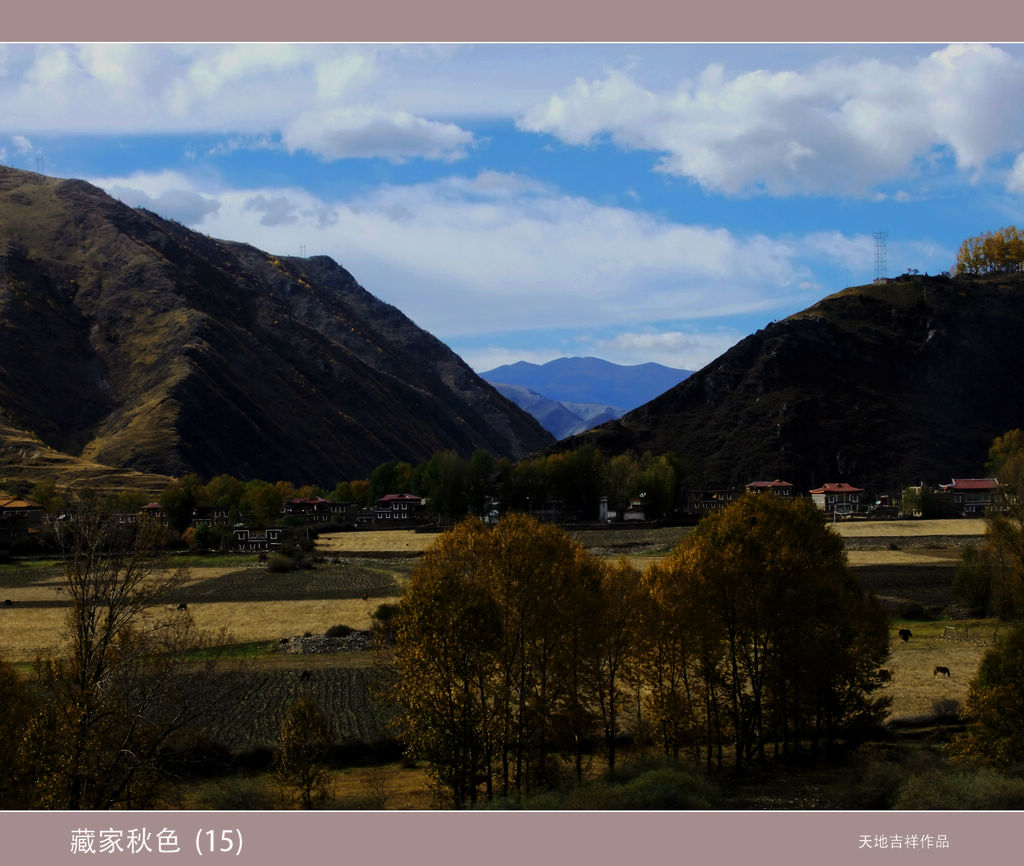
{"x":129,"y":340}
{"x":880,"y":386}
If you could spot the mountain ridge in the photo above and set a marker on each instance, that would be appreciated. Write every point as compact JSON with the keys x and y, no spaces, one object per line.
{"x":559,"y":417}
{"x":881,"y":386}
{"x":157,"y":349}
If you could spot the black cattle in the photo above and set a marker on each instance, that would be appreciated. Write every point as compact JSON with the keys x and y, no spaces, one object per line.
{"x":304,"y":676}
{"x":940,"y":669}
{"x":183,"y":606}
{"x":8,"y":603}
{"x":883,"y":675}
{"x":905,"y":634}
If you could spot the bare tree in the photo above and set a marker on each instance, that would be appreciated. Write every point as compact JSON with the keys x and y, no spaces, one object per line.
{"x":127,"y":681}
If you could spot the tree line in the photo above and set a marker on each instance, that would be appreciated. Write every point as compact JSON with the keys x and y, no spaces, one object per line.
{"x":453,"y":485}
{"x":516,"y":652}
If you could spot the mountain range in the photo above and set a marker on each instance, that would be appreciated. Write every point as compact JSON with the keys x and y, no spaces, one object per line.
{"x":130,"y":344}
{"x":133,"y":349}
{"x":879,"y":386}
{"x":570,"y":395}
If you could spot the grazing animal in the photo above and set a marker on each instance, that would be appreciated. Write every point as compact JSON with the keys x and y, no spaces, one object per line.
{"x":183,"y":606}
{"x":883,"y":675}
{"x":905,"y":634}
{"x":304,"y":676}
{"x":8,"y":603}
{"x":940,"y":669}
{"x":366,"y":598}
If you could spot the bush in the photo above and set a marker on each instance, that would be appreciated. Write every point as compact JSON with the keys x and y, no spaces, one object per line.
{"x":946,"y":710}
{"x":636,"y":788}
{"x":667,"y":788}
{"x":278,"y":563}
{"x":912,"y":611}
{"x":978,"y":789}
{"x":339,"y":631}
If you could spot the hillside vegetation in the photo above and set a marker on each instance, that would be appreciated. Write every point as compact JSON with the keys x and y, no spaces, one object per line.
{"x":130,"y":342}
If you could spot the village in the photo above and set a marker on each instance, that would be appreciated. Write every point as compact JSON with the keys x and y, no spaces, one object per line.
{"x":23,"y":518}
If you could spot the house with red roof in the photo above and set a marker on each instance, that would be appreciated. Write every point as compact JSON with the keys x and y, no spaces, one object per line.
{"x":398,"y":507}
{"x":779,"y":488}
{"x":972,"y":496}
{"x":838,"y":499}
{"x":314,"y":510}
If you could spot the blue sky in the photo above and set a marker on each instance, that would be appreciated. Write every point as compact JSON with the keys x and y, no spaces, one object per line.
{"x":636,"y":202}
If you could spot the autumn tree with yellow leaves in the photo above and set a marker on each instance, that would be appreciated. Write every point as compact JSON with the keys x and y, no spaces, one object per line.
{"x":1001,"y":250}
{"x":513,"y":646}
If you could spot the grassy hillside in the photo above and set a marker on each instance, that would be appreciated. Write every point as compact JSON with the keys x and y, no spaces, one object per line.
{"x":880,"y":386}
{"x":129,"y":341}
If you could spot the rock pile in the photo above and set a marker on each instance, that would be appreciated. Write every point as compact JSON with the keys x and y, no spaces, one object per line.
{"x":320,"y":643}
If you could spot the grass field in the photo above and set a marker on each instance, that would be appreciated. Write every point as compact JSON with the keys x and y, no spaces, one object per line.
{"x":252,"y":604}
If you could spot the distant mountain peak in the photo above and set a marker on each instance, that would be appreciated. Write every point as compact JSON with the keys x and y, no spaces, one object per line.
{"x":590,"y":380}
{"x":571,"y":395}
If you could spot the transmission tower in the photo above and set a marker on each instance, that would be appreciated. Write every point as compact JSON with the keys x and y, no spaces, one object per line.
{"x":880,"y":264}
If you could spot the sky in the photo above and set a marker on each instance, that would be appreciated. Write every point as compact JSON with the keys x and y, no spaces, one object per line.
{"x":633,"y":202}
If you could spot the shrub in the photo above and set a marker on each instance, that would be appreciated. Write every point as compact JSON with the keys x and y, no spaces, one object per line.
{"x":912,"y":611}
{"x":339,"y":631}
{"x":946,"y":710}
{"x":984,"y":788}
{"x":278,"y":563}
{"x":667,"y":788}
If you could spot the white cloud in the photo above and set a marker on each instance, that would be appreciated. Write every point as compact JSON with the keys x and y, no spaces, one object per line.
{"x":1015,"y":179}
{"x":498,"y":252}
{"x":326,"y":99}
{"x":366,"y":132}
{"x":167,"y":193}
{"x":22,"y":144}
{"x":836,"y":128}
{"x":686,"y":350}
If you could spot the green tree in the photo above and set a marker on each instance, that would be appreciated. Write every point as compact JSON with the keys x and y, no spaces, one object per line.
{"x":46,"y":494}
{"x":621,"y":482}
{"x":482,"y":469}
{"x":394,"y":476}
{"x":445,"y":482}
{"x":995,"y":705}
{"x":304,"y":747}
{"x":262,"y":504}
{"x":179,"y":500}
{"x":659,"y":482}
{"x":226,"y":491}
